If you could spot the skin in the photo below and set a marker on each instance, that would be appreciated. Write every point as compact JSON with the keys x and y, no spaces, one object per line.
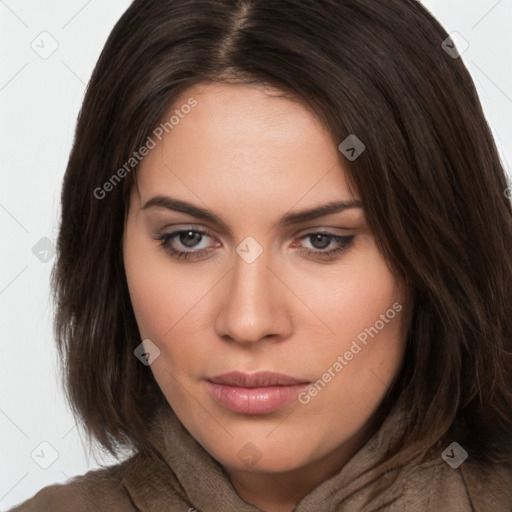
{"x":251,"y":156}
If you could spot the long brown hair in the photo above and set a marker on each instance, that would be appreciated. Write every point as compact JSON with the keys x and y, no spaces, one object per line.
{"x":430,"y":179}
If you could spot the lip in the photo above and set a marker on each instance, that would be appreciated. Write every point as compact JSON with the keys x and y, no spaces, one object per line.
{"x":254,"y":393}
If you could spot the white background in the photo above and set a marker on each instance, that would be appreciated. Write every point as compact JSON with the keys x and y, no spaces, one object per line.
{"x":39,"y":102}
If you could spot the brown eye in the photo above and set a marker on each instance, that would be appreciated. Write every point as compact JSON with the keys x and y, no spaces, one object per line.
{"x":189,"y":238}
{"x":177,"y":243}
{"x":320,"y":241}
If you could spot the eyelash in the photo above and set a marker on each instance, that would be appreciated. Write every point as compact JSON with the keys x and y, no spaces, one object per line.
{"x":345,"y":242}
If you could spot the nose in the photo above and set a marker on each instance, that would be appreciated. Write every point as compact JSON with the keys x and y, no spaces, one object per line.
{"x":254,"y":304}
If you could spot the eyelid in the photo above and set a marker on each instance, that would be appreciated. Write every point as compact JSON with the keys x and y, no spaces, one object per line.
{"x":322,"y":256}
{"x":177,"y":228}
{"x":174,"y":229}
{"x":322,"y":230}
{"x":202,"y":231}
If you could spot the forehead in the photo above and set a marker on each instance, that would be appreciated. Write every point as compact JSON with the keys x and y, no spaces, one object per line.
{"x":242,"y":143}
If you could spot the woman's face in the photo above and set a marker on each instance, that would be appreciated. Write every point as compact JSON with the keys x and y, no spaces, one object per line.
{"x":255,"y":284}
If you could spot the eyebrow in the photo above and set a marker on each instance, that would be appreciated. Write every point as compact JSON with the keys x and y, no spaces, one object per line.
{"x":177,"y":205}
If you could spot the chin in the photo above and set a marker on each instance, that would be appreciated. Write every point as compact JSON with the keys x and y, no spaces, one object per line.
{"x":257,"y":454}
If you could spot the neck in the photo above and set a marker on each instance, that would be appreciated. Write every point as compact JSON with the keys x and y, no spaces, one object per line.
{"x":281,"y":491}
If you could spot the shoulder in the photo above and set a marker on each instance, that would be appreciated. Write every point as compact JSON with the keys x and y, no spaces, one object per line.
{"x":470,"y":487}
{"x":99,"y":489}
{"x":490,"y":488}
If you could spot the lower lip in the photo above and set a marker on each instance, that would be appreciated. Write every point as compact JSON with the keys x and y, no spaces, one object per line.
{"x":254,"y":400}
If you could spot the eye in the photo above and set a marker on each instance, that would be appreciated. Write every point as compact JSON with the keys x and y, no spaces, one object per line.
{"x":193,"y":244}
{"x":322,"y":240}
{"x":177,"y":243}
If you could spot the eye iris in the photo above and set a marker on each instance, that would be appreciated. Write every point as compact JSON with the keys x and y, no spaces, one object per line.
{"x":190,"y":238}
{"x":324,"y":241}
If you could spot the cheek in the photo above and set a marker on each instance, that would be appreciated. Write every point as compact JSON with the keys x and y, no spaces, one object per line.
{"x":160,"y":296}
{"x":361,"y":310}
{"x":160,"y":300}
{"x":352,"y":297}
{"x":166,"y":304}
{"x":374,"y":325}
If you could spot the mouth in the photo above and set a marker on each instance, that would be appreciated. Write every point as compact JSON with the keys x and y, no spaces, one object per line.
{"x":255,"y":393}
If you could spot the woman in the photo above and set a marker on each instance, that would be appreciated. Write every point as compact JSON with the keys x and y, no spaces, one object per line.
{"x":284,"y":265}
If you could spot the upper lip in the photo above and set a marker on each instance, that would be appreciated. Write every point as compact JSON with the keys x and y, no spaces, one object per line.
{"x":255,"y":380}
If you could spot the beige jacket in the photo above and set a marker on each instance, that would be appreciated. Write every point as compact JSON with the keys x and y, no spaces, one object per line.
{"x":187,"y":479}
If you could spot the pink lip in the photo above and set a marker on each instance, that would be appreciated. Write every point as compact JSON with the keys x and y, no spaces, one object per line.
{"x":256,"y":393}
